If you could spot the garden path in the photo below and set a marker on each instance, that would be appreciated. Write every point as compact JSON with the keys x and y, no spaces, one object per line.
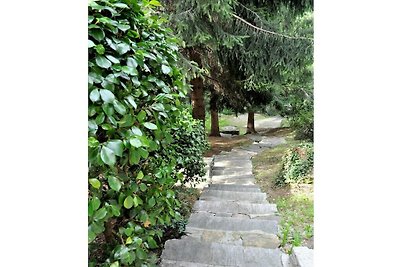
{"x":232,"y":223}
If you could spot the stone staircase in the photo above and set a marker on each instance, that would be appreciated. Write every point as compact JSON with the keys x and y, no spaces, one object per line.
{"x":232,"y":224}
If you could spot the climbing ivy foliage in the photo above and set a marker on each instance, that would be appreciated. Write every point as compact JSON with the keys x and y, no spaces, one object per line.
{"x":135,"y":95}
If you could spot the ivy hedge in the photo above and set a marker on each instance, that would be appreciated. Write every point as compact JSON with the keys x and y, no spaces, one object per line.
{"x":138,"y":127}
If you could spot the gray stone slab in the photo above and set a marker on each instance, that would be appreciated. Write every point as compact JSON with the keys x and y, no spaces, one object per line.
{"x":218,"y":178}
{"x":254,"y":197}
{"x":209,"y":222}
{"x":235,"y":154}
{"x":302,"y":257}
{"x":234,"y":180}
{"x":190,"y":250}
{"x":239,"y":188}
{"x":246,"y":239}
{"x":243,"y":171}
{"x":286,"y":260}
{"x":234,"y":167}
{"x":170,"y":263}
{"x":252,"y":209}
{"x":232,"y":164}
{"x":227,"y":176}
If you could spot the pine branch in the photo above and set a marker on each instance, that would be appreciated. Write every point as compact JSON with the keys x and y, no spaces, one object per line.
{"x":270,"y":32}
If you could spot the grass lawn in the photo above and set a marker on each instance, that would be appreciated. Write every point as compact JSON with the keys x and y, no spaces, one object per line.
{"x":231,"y":120}
{"x":294,"y":202}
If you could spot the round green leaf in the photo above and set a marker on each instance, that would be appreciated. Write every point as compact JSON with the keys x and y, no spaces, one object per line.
{"x":97,"y":34}
{"x":90,"y":43}
{"x":102,"y":62}
{"x":135,"y":142}
{"x":95,"y":183}
{"x":131,"y":101}
{"x":143,"y":153}
{"x":165,"y":69}
{"x":92,"y":125}
{"x":141,"y":116}
{"x":116,"y":146}
{"x":143,"y":187}
{"x":152,"y":243}
{"x":94,"y":95}
{"x":152,"y":202}
{"x":95,"y":203}
{"x":120,"y":5}
{"x":119,"y":107}
{"x":92,"y":142}
{"x":100,"y":214}
{"x":123,"y":27}
{"x":150,"y":125}
{"x":137,"y":201}
{"x":140,"y":176}
{"x":136,"y":131}
{"x":158,"y":107}
{"x":122,"y":48}
{"x":107,"y":96}
{"x":128,"y":202}
{"x":107,"y":156}
{"x":100,"y":49}
{"x":141,"y":254}
{"x":115,"y":264}
{"x":113,"y":59}
{"x":134,"y":156}
{"x":114,"y":183}
{"x":131,"y":62}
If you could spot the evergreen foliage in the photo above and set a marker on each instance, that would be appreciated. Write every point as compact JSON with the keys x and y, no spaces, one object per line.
{"x":254,"y":53}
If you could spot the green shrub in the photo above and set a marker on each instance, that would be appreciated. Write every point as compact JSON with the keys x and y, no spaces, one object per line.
{"x":189,"y":145}
{"x":135,"y":93}
{"x":303,"y":120}
{"x":298,"y":165}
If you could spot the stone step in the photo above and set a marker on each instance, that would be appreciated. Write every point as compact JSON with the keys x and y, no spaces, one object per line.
{"x":243,"y":151}
{"x":247,"y":239}
{"x":253,"y":197}
{"x":234,"y":180}
{"x":232,"y":172}
{"x":241,"y":216}
{"x":236,"y":167}
{"x":302,"y":257}
{"x":216,"y":178}
{"x":231,"y":157}
{"x":207,"y":221}
{"x":170,"y":263}
{"x":215,"y":254}
{"x":251,"y":209}
{"x":233,"y":164}
{"x":238,"y":188}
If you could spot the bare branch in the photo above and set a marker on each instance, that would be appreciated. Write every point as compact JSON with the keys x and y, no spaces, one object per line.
{"x":269,"y":32}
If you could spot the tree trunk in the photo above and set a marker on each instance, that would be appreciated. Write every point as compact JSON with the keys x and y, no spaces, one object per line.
{"x":197,"y":93}
{"x":214,"y":114}
{"x":250,"y":123}
{"x":197,"y":97}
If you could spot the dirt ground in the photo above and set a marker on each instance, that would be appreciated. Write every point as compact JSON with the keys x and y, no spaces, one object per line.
{"x":219,"y":144}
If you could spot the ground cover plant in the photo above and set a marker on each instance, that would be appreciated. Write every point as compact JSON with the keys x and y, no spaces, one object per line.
{"x":293,"y":197}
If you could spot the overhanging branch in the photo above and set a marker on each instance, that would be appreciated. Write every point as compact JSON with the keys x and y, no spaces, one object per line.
{"x":270,"y":32}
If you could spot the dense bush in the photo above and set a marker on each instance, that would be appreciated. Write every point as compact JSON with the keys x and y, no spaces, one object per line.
{"x":189,"y":145}
{"x":297,"y":166}
{"x":302,"y":119}
{"x":135,"y":92}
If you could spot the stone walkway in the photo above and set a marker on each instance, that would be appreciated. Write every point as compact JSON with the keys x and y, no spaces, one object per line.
{"x":232,"y":224}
